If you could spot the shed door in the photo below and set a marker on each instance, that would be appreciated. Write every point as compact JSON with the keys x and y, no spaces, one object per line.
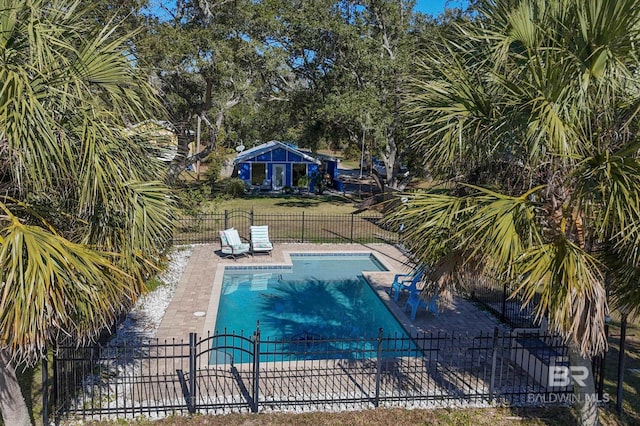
{"x":278,"y":176}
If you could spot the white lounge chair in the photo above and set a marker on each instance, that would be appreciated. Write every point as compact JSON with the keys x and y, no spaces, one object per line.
{"x":260,"y":239}
{"x":232,"y":245}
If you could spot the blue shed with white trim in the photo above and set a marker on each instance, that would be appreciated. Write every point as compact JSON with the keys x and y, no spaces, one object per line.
{"x":274,"y":165}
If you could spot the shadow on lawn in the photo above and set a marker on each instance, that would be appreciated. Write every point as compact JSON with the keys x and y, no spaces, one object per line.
{"x":299,"y":203}
{"x":314,"y":201}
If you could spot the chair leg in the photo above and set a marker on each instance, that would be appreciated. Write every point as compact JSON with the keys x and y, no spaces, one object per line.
{"x":432,"y":306}
{"x":414,"y":311}
{"x":396,"y":294}
{"x":391,"y":291}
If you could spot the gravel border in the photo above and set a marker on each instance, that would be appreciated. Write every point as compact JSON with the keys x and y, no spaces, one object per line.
{"x":144,"y":318}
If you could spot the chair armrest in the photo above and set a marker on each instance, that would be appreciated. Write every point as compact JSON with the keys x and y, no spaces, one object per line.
{"x":402,"y":278}
{"x":401,"y":275}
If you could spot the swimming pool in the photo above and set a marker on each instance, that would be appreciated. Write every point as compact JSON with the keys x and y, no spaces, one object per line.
{"x":319,"y":297}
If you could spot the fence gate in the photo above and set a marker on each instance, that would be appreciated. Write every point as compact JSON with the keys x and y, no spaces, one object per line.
{"x":223,"y":373}
{"x":240,"y":220}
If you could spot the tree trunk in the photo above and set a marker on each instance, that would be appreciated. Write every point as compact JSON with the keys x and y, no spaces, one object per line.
{"x":12,"y":406}
{"x":584,"y":389}
{"x":181,"y":162}
{"x":389,"y":157}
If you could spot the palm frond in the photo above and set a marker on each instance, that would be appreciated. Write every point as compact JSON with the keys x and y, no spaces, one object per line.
{"x":608,"y":190}
{"x":455,"y":98}
{"x":623,"y":277}
{"x":50,"y":286}
{"x":500,"y":229}
{"x":491,"y":228}
{"x":92,"y":221}
{"x":567,"y":284}
{"x":30,"y":132}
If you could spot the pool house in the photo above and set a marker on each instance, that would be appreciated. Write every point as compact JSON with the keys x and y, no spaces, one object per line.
{"x":274,"y":165}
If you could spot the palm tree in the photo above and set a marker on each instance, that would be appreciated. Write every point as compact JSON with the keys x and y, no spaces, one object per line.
{"x":84,"y":218}
{"x":528,"y":119}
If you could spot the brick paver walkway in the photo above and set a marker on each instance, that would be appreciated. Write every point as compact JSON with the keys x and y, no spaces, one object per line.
{"x":194,"y":305}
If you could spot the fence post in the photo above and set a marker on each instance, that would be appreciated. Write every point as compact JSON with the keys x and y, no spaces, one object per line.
{"x":376,"y":401}
{"x":256,"y":368}
{"x":302,"y":239}
{"x":504,"y":302}
{"x":192,"y":372}
{"x":601,"y":367}
{"x":226,"y":219}
{"x":352,"y":219}
{"x":45,"y":389}
{"x":251,"y":217}
{"x":54,"y":378}
{"x":494,"y":361}
{"x":621,"y":350}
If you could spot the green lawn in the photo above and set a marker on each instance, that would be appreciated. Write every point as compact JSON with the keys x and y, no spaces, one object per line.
{"x":290,"y":219}
{"x":313,"y":204}
{"x":392,"y":417}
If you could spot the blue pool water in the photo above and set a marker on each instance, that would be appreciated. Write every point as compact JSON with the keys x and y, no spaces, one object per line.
{"x":320,"y":297}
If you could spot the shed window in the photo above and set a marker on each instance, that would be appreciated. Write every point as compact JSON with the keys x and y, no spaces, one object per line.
{"x":258,"y":173}
{"x":299,"y":170}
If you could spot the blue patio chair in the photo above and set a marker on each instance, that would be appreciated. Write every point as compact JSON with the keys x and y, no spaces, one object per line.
{"x":404,"y":282}
{"x":416,"y":302}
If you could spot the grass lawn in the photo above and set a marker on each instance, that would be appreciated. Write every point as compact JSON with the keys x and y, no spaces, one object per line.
{"x":314,"y":204}
{"x":290,"y":219}
{"x":396,"y":416}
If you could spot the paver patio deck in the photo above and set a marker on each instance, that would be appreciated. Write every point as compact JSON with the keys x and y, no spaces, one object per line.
{"x":194,"y":305}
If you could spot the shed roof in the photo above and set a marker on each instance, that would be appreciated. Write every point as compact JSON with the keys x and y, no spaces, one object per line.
{"x":270,"y":146}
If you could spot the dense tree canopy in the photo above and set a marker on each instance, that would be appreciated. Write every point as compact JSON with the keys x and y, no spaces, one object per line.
{"x":309,"y":72}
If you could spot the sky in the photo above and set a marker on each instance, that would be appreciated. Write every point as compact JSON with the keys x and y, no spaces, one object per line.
{"x":434,"y":7}
{"x":430,"y":7}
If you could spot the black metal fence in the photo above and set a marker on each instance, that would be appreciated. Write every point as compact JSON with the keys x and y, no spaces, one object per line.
{"x":285,"y":228}
{"x":496,"y":296}
{"x":243,"y":373}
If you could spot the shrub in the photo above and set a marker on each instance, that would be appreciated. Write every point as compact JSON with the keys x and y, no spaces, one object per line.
{"x":190,"y":197}
{"x":234,"y":187}
{"x":214,"y":167}
{"x":303,"y":182}
{"x":321,"y":181}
